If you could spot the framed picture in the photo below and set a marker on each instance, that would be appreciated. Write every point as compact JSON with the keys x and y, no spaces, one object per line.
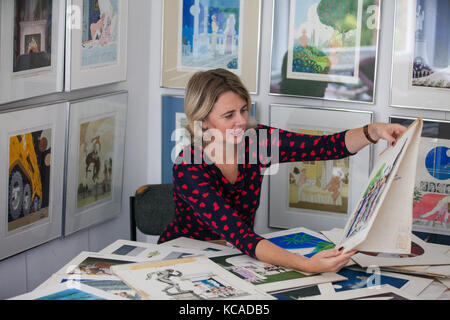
{"x":32,"y":171}
{"x":325,"y":49}
{"x":96,"y":45}
{"x":431,"y":211}
{"x":32,"y":50}
{"x":317,"y":195}
{"x":174,"y":137}
{"x":209,"y":34}
{"x":421,"y":58}
{"x":95,"y":163}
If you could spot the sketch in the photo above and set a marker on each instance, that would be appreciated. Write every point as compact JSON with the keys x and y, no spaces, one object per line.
{"x":325,"y":40}
{"x":210,"y":34}
{"x":95,"y":160}
{"x":431,"y":65}
{"x":29,"y":178}
{"x":319,"y":185}
{"x":100,"y":32}
{"x":32,"y":34}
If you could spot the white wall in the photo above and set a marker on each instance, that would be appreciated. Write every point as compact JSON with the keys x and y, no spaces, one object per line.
{"x":25,"y":271}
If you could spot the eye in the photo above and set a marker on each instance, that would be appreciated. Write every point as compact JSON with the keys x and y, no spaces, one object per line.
{"x":228,"y":116}
{"x":244,"y":109}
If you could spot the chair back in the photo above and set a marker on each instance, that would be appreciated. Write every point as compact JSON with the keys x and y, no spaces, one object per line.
{"x":151,"y":209}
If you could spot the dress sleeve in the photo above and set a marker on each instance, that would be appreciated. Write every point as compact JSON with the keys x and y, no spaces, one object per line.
{"x":197,"y":188}
{"x":286,"y":146}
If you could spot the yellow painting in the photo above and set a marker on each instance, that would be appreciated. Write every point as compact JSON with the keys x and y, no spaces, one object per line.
{"x":319,"y":185}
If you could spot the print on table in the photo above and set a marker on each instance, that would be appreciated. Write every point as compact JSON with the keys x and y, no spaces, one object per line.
{"x":360,"y":279}
{"x":29,"y":178}
{"x":309,"y":244}
{"x":71,"y":294}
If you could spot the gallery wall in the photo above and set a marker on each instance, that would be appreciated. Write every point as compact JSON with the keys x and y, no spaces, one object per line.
{"x":25,"y":271}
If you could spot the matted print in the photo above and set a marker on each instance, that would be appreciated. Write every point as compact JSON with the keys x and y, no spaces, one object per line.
{"x":32,"y":51}
{"x":421,"y":58}
{"x":307,"y":291}
{"x":431,"y":211}
{"x":325,"y":49}
{"x":96,"y":43}
{"x":187,"y":279}
{"x":205,"y":247}
{"x":210,"y":34}
{"x":318,"y":194}
{"x":94,"y":171}
{"x":32,"y":176}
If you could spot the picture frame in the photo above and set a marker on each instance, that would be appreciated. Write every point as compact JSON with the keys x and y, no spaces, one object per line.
{"x":32,"y":171}
{"x":317,"y":195}
{"x":228,"y":36}
{"x":32,"y":50}
{"x":173,"y":137}
{"x":96,"y":146}
{"x":96,"y":47}
{"x":432,"y":184}
{"x":314,"y":56}
{"x":420,"y":77}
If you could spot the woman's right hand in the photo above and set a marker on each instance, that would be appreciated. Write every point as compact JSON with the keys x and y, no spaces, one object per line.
{"x":329,"y":261}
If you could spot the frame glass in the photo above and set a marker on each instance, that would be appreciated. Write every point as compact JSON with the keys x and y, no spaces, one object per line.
{"x":325,"y":49}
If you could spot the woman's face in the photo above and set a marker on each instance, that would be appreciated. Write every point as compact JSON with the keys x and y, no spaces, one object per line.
{"x":229,"y":116}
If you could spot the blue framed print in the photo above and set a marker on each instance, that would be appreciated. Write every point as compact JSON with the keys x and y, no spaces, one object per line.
{"x":173,"y":137}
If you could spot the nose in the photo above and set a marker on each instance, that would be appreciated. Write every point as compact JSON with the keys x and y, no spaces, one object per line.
{"x":241,"y":119}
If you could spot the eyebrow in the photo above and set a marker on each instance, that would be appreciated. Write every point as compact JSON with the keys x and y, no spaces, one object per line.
{"x":231,"y":111}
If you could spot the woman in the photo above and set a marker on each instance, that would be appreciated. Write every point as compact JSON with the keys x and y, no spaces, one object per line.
{"x":217,"y":179}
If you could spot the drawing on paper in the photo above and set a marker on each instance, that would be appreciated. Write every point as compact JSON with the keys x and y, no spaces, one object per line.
{"x":193,"y":286}
{"x":358,"y":279}
{"x":100,"y":36}
{"x":92,"y":266}
{"x":210,"y":34}
{"x":319,"y":185}
{"x":71,"y":294}
{"x":431,"y":65}
{"x":307,"y":244}
{"x":32,"y":34}
{"x":325,"y":40}
{"x":96,"y":153}
{"x":29,"y":178}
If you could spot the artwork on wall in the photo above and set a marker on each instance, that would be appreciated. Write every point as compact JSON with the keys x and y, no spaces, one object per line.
{"x":32,"y":174}
{"x":174,"y":137}
{"x":95,"y":165}
{"x":431,"y":211}
{"x":209,"y":34}
{"x":96,"y":44}
{"x":32,"y":51}
{"x":317,"y":195}
{"x":325,"y":49}
{"x":421,"y":58}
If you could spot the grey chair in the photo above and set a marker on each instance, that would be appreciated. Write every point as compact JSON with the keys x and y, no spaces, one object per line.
{"x":151,"y":209}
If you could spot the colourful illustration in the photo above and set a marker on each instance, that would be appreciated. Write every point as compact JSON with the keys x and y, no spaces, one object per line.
{"x":324,"y":40}
{"x":360,"y":279}
{"x":319,"y":185}
{"x":431,"y":66}
{"x":32,"y":34}
{"x":210,"y":34}
{"x":29,"y":178}
{"x":71,"y":294}
{"x":100,"y":34}
{"x":92,"y":266}
{"x":116,"y":287}
{"x":302,"y":240}
{"x":96,"y":153}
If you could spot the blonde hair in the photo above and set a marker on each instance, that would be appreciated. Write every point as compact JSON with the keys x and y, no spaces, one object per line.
{"x":204,"y":89}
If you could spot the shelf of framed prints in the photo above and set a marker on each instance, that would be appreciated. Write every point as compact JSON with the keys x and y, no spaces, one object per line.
{"x":32,"y":175}
{"x":206,"y":34}
{"x":96,"y":144}
{"x":421,"y":58}
{"x":318,"y":195}
{"x":325,"y":49}
{"x":96,"y":43}
{"x":32,"y":50}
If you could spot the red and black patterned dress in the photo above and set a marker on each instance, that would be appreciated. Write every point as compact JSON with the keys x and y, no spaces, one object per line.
{"x":209,"y":207}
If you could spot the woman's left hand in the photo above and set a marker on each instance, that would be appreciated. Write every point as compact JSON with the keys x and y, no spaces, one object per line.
{"x":386,"y":131}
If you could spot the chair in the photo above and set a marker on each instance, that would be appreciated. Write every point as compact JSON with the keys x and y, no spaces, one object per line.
{"x":151,"y":209}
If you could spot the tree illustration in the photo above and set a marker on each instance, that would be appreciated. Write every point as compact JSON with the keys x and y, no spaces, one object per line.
{"x":341,"y":15}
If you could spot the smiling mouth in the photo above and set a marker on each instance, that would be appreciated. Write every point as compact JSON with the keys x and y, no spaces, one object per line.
{"x":236,"y":132}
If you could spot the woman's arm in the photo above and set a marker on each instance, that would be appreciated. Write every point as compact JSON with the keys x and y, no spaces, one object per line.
{"x":324,"y":261}
{"x":355,"y":139}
